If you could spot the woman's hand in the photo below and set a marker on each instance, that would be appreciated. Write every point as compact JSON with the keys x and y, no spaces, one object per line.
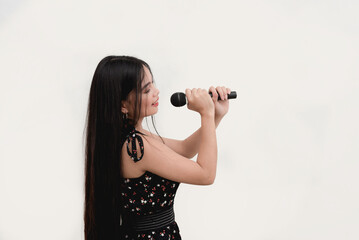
{"x":222,"y":106}
{"x":200,"y":101}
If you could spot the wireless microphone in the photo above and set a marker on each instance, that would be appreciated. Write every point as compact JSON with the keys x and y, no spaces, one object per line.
{"x":178,"y":99}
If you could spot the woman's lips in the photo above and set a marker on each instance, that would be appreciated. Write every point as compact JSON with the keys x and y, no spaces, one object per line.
{"x":155,"y":104}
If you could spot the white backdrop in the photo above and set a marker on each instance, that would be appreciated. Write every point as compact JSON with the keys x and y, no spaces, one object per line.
{"x":288,"y":148}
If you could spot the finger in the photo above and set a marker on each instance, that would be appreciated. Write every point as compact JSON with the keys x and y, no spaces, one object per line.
{"x":214,"y":93}
{"x":194,"y":92}
{"x":220,"y":92}
{"x":188,"y":93}
{"x":225,"y":96}
{"x":225,"y":93}
{"x":203,"y":91}
{"x":228,"y":90}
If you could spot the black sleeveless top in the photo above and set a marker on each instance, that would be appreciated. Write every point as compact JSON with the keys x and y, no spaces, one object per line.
{"x":145,"y":195}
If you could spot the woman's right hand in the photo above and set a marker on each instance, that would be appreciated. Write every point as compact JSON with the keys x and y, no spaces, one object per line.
{"x":200,"y":101}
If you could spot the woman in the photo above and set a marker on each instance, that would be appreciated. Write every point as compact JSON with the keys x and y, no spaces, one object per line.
{"x":131,"y":174}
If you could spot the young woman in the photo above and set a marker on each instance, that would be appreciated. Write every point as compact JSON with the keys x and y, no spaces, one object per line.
{"x":131,"y":174}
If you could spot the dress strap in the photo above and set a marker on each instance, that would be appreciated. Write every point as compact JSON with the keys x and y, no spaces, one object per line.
{"x":131,"y":137}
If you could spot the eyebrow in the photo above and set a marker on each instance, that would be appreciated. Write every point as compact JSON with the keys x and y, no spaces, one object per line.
{"x":146,"y":85}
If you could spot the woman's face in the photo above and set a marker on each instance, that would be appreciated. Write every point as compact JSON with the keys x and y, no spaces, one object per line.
{"x":149,"y":92}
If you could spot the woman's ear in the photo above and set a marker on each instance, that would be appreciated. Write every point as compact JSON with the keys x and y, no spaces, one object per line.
{"x":124,"y":108}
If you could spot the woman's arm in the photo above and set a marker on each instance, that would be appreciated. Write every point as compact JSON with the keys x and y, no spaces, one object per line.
{"x":161,"y":160}
{"x":189,"y":147}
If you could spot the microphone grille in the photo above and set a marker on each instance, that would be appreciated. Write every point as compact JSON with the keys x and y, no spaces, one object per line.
{"x":178,"y":99}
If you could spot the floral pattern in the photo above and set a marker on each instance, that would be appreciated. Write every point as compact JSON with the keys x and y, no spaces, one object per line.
{"x":148,"y":194}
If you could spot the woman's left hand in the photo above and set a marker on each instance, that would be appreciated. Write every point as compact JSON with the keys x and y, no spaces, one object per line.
{"x":221,"y":106}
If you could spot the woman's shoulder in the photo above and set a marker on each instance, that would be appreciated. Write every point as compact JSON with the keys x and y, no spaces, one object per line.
{"x":133,"y":151}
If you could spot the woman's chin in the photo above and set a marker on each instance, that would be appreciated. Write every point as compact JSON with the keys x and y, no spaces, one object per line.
{"x":151,"y":114}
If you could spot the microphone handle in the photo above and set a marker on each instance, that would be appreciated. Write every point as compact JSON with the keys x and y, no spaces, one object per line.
{"x":232,"y":95}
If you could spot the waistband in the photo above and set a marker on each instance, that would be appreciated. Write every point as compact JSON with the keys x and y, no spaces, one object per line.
{"x":153,"y":221}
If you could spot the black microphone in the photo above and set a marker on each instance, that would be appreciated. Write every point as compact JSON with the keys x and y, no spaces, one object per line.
{"x":178,"y":99}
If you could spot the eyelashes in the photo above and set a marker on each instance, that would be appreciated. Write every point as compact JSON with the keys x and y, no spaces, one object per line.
{"x":148,"y":90}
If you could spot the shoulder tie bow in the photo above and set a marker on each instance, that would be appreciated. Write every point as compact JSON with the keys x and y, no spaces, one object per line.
{"x":131,"y":137}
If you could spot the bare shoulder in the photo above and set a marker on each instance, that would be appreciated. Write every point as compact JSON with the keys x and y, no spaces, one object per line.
{"x":130,"y":169}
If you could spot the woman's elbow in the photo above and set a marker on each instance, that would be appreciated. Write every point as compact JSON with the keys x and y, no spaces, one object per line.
{"x":208,"y":180}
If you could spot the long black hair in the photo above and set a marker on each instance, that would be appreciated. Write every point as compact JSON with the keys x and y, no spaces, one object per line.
{"x":114,"y":78}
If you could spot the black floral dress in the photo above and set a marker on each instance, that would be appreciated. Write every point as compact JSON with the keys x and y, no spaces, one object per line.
{"x":146,"y":195}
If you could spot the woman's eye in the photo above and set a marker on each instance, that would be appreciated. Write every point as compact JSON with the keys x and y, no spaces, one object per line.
{"x":148,"y":90}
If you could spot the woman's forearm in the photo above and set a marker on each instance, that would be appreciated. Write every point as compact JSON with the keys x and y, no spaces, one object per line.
{"x":207,"y":154}
{"x":191,"y":143}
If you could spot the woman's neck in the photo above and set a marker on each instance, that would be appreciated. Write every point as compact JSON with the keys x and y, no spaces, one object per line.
{"x":138,"y":126}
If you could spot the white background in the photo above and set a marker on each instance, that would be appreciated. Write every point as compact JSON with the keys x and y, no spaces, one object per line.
{"x":288,"y":148}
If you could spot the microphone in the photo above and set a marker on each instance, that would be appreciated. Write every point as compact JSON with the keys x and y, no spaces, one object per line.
{"x":178,"y":99}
